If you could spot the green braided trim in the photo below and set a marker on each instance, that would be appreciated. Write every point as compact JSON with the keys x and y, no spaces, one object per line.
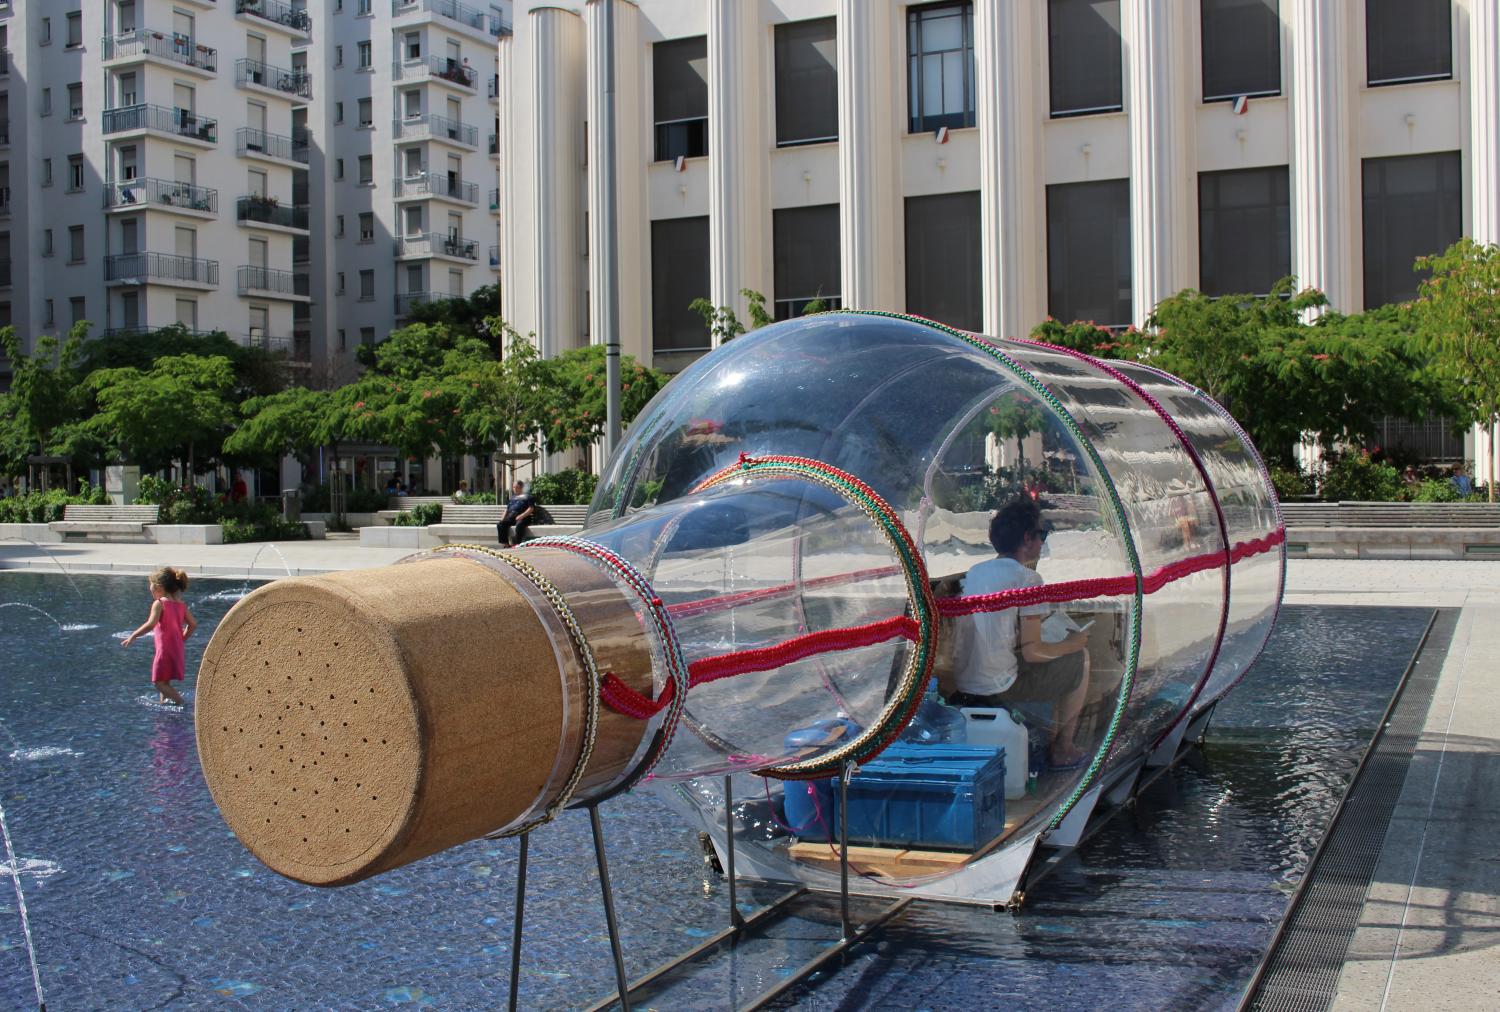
{"x":903,"y":704}
{"x":1132,"y":657}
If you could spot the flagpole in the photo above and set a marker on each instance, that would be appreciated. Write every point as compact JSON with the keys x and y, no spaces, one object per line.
{"x":609,"y":295}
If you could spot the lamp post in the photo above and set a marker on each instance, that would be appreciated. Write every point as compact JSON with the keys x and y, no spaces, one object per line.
{"x":609,"y":277}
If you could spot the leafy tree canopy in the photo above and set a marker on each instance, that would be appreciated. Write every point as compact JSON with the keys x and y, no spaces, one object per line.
{"x":181,"y":407}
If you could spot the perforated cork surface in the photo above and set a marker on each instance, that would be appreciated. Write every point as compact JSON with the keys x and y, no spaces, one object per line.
{"x":354,"y":722}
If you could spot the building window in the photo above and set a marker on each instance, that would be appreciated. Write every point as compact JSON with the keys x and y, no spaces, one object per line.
{"x":366,"y":169}
{"x":1088,"y":252}
{"x":807,"y":82}
{"x":364,"y":56}
{"x":940,"y":66}
{"x":338,"y":112}
{"x":364,"y":6}
{"x":343,"y":340}
{"x":338,"y":226}
{"x":367,"y":226}
{"x":366,"y":285}
{"x":75,"y":244}
{"x":1408,"y":40}
{"x":413,"y":45}
{"x":46,"y":242}
{"x":338,"y":168}
{"x":338,"y":55}
{"x":680,"y":97}
{"x":77,"y":310}
{"x":1244,"y":230}
{"x":679,"y":274}
{"x":1083,"y":49}
{"x":75,"y":29}
{"x":366,"y":113}
{"x":46,"y":101}
{"x":1241,"y":48}
{"x":805,"y":255}
{"x":338,"y":283}
{"x":943,"y":259}
{"x":367,"y":336}
{"x":1413,"y":206}
{"x":44,"y":37}
{"x":46,"y":172}
{"x":75,"y":101}
{"x":75,"y":173}
{"x":49,"y":318}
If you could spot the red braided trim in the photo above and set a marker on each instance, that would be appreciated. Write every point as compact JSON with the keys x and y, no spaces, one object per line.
{"x":724,"y":602}
{"x":622,"y":698}
{"x":1111,"y":586}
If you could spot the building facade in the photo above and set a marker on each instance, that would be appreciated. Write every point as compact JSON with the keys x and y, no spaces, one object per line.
{"x":296,"y":175}
{"x":989,"y":163}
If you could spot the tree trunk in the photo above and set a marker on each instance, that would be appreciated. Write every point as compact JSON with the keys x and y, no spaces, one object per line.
{"x":1494,"y":454}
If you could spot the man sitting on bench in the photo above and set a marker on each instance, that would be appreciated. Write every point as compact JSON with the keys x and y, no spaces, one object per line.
{"x":518,"y":514}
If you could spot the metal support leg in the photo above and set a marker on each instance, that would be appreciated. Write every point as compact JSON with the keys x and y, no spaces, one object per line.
{"x":845,"y":772}
{"x":735,"y":920}
{"x":515,"y":936}
{"x":609,"y":910}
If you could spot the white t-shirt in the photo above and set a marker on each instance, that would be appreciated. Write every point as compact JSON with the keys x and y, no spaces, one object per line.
{"x":985,"y":654}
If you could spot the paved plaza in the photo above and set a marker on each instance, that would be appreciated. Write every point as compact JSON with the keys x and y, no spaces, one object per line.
{"x":1433,"y":910}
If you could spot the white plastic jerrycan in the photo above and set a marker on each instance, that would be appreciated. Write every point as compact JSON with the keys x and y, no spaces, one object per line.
{"x":998,"y":726}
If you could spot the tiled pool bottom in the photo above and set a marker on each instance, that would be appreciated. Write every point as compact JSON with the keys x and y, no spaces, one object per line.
{"x":153,"y":904}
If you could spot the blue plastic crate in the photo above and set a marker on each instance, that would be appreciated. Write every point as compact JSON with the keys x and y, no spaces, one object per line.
{"x":928,"y":796}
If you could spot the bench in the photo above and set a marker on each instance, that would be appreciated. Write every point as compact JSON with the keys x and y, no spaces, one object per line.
{"x":1391,"y":514}
{"x":399,"y":504}
{"x":105,"y":520}
{"x":477,"y":523}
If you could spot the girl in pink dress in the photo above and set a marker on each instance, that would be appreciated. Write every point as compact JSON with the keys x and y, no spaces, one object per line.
{"x":173,"y":624}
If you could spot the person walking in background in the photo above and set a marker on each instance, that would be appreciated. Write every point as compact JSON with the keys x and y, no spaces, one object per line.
{"x":462,"y":491}
{"x":518,"y":514}
{"x":173,"y":624}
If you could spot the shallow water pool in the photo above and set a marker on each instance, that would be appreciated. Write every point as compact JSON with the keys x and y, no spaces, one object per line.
{"x":140,"y":897}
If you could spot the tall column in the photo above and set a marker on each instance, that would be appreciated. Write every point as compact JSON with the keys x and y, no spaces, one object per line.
{"x":1484,"y":169}
{"x":508,"y":173}
{"x":869,"y":195}
{"x":738,"y":203}
{"x":1324,"y":212}
{"x":1162,"y":218}
{"x":557,"y":78}
{"x":1010,"y":193}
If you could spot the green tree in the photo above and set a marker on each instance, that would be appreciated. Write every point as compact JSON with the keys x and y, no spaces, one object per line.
{"x":501,"y":401}
{"x":1458,"y":313}
{"x":287,"y":422}
{"x":572,"y":389}
{"x":181,"y":408}
{"x":45,"y":393}
{"x":258,"y":372}
{"x":722,"y":322}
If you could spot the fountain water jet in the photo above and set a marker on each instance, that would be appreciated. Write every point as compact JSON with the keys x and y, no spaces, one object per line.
{"x":15,"y":878}
{"x":56,"y":561}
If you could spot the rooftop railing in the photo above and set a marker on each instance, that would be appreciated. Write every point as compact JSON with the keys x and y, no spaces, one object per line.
{"x":450,"y":9}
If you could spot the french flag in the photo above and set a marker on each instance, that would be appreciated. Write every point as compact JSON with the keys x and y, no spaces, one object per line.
{"x":1241,"y":105}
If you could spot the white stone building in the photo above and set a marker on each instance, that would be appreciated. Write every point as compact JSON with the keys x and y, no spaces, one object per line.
{"x":990,"y":162}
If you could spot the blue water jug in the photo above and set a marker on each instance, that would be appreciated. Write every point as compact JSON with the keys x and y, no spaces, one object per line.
{"x":935,"y":722}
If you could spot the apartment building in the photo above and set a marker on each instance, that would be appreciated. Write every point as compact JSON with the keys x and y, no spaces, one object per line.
{"x":297,"y":175}
{"x":404,"y":171}
{"x":989,"y":163}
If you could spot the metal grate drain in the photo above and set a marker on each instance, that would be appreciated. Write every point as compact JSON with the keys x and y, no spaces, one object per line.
{"x":1301,"y":969}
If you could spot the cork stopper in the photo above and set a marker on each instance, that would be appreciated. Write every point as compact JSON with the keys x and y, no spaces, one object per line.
{"x":351,"y":723}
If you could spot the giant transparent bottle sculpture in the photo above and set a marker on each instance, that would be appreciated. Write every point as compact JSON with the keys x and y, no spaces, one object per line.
{"x":773,"y":591}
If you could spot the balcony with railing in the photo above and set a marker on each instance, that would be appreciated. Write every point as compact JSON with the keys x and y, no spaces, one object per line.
{"x":178,"y":122}
{"x":498,"y":26}
{"x":254,"y":143}
{"x":274,"y":343}
{"x":433,"y":126}
{"x":428,"y":244}
{"x":495,"y":199}
{"x":278,"y":13}
{"x":270,"y":211}
{"x":495,"y":255}
{"x":459,"y":74}
{"x":494,"y":88}
{"x":149,"y":191}
{"x":301,"y":145}
{"x":429,"y":184}
{"x":469,"y":17}
{"x":254,"y":73}
{"x":406,"y":300}
{"x":169,"y":268}
{"x":267,"y":281}
{"x":147,"y":43}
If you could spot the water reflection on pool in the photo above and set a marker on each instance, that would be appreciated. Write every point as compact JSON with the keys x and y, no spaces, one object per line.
{"x":140,"y":897}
